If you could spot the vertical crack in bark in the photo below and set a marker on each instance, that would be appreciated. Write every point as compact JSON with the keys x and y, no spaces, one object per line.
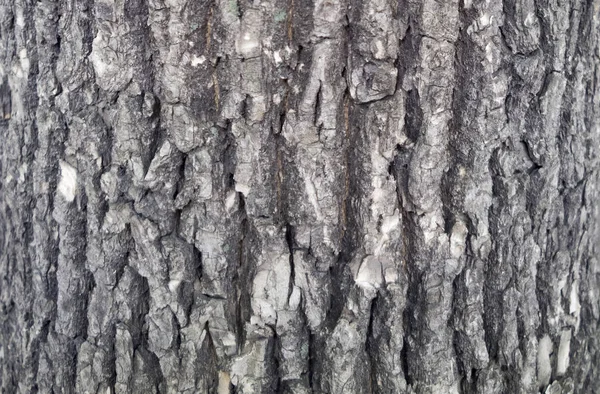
{"x":457,"y":304}
{"x":491,"y":297}
{"x":241,"y":285}
{"x":289,"y":239}
{"x":5,"y":102}
{"x":414,"y":115}
{"x":346,"y":147}
{"x":29,"y":146}
{"x":400,"y":174}
{"x":371,"y":347}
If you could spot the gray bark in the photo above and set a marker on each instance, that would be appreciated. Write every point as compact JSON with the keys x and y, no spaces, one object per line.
{"x":329,"y":196}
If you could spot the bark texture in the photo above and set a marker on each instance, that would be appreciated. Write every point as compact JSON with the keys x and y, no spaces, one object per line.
{"x":294,"y":196}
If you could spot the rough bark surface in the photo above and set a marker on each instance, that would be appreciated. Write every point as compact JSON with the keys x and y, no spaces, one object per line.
{"x":293,"y":196}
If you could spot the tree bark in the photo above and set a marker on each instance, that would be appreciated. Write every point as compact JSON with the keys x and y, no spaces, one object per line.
{"x":328,"y":196}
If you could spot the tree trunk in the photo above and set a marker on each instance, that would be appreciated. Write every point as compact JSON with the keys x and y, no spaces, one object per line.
{"x":293,"y":196}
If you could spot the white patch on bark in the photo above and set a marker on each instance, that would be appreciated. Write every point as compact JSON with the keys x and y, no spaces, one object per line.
{"x":574,"y":305}
{"x":489,"y":53}
{"x":390,"y":223}
{"x":24,"y":60}
{"x":19,"y":19}
{"x":224,"y":381}
{"x":327,"y":236}
{"x":295,"y":298}
{"x":173,"y":285}
{"x":22,"y":172}
{"x":271,"y":286}
{"x":378,"y":49}
{"x":112,"y":69}
{"x":485,"y":20}
{"x":544,"y":367}
{"x":311,"y":191}
{"x":242,"y":188}
{"x":67,"y":186}
{"x":562,"y":362}
{"x":230,"y":201}
{"x":458,"y":239}
{"x":247,"y":45}
{"x":97,"y":62}
{"x":197,"y":60}
{"x":369,"y":274}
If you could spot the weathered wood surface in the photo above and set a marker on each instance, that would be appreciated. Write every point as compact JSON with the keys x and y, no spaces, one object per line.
{"x":329,"y":196}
